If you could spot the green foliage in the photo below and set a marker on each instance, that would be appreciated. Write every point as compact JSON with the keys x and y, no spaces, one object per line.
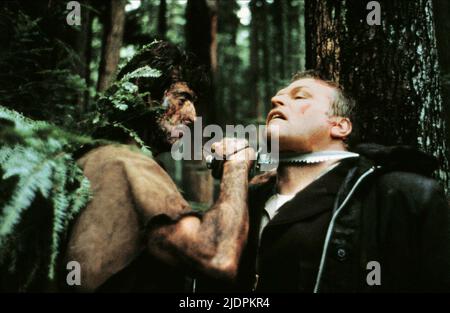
{"x":41,"y":185}
{"x":445,"y":80}
{"x":176,"y":21}
{"x":37,"y":74}
{"x":145,"y":71}
{"x":123,"y":102}
{"x":42,"y":188}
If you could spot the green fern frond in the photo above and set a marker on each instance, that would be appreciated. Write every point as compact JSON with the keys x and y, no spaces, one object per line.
{"x":36,"y":161}
{"x":34,"y":174}
{"x":145,"y":71}
{"x":60,"y":204}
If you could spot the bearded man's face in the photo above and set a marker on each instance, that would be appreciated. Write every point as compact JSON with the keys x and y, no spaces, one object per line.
{"x":180,"y":111}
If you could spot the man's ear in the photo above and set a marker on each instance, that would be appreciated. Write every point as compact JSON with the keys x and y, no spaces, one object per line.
{"x":341,"y":127}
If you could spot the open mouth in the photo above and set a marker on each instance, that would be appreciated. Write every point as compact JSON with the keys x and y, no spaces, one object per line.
{"x":187,"y":122}
{"x":178,"y":131}
{"x":276,"y":115}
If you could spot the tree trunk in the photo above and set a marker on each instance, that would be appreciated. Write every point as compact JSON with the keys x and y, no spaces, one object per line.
{"x":279,"y":39}
{"x":228,"y":62}
{"x":198,"y":184}
{"x":267,"y":63}
{"x":200,"y":33}
{"x":392,"y":69}
{"x":213,"y":5}
{"x":441,"y":11}
{"x":199,"y":41}
{"x":84,"y":49}
{"x":255,"y":59}
{"x":112,"y":42}
{"x":87,"y":67}
{"x":296,"y":48}
{"x":277,"y":48}
{"x":322,"y":27}
{"x":162,"y":20}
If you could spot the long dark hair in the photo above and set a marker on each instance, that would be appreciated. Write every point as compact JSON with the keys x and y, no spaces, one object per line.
{"x":141,"y":109}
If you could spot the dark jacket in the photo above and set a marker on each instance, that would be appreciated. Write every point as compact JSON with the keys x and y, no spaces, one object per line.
{"x":386,"y":210}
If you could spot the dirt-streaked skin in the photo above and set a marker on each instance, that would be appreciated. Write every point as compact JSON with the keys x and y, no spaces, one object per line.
{"x":131,"y":189}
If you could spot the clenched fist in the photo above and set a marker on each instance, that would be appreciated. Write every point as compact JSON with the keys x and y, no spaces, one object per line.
{"x":230,"y":151}
{"x":233,"y":149}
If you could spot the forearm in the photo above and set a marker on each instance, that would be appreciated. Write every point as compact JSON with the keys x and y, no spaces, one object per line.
{"x":213,"y":243}
{"x":223,"y":230}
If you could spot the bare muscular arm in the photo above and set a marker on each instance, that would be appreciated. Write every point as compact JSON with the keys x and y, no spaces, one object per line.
{"x":129,"y":190}
{"x":212,"y":244}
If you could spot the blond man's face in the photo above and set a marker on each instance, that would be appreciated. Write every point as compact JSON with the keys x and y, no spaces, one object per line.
{"x":301,"y":114}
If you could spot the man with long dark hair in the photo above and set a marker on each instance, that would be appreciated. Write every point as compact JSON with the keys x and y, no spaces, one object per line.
{"x":138,"y":233}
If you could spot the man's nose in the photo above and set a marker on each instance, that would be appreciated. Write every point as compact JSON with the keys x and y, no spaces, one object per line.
{"x":277,"y":101}
{"x":190,"y":111}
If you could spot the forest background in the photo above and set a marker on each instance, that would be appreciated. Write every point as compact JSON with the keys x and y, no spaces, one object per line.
{"x":396,"y":64}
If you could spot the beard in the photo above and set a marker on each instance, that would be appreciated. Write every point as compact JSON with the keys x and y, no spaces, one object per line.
{"x":156,"y":135}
